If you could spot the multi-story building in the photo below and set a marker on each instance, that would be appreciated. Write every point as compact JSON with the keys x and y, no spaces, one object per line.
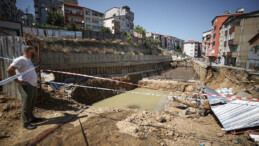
{"x":181,"y":43}
{"x":213,"y":50}
{"x":9,"y":11}
{"x":206,"y":36}
{"x":27,"y":19}
{"x":119,"y":20}
{"x":236,"y":31}
{"x":73,"y":13}
{"x":149,"y":34}
{"x":169,"y":42}
{"x":253,"y":53}
{"x":43,"y":6}
{"x":192,"y":48}
{"x":71,"y":2}
{"x":93,"y":19}
{"x":10,"y":19}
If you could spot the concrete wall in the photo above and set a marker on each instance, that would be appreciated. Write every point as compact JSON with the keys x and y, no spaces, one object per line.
{"x":249,"y":28}
{"x":82,"y":59}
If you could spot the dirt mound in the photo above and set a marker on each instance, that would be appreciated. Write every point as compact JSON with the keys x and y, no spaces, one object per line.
{"x":230,"y":78}
{"x":89,"y":96}
{"x":172,"y":129}
{"x":237,"y":79}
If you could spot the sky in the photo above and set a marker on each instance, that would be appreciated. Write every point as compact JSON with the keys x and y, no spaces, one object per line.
{"x":184,"y":19}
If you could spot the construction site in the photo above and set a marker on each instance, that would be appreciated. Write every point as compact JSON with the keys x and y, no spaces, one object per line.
{"x":108,"y":92}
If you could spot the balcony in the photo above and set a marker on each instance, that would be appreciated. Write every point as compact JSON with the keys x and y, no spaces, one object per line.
{"x":231,"y":30}
{"x":74,"y":14}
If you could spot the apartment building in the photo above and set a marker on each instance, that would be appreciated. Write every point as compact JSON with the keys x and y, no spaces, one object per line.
{"x":73,"y":13}
{"x":119,"y":20}
{"x":236,"y":31}
{"x":43,"y":6}
{"x":213,"y":50}
{"x":192,"y":48}
{"x":206,"y":36}
{"x":253,"y":53}
{"x":27,"y":19}
{"x":181,"y":43}
{"x":93,"y":19}
{"x":169,"y":42}
{"x":10,"y":19}
{"x":9,"y":11}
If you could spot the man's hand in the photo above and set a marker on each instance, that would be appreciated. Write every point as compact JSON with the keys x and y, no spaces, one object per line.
{"x":11,"y":72}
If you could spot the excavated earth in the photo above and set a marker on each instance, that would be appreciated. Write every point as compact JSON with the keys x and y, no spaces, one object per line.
{"x":114,"y":126}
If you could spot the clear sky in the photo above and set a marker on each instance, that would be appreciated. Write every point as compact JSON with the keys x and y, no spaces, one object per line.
{"x":185,"y":19}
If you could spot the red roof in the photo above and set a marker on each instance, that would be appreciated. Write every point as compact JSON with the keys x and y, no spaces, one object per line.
{"x":192,"y":41}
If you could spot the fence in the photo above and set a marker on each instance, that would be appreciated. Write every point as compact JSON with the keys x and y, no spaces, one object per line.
{"x":10,"y":47}
{"x":107,"y":36}
{"x":77,"y":34}
{"x":51,"y":32}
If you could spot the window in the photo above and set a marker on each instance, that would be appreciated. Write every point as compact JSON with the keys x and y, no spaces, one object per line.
{"x":214,"y":35}
{"x":95,"y":21}
{"x":87,"y":12}
{"x":213,"y":44}
{"x":215,"y":21}
{"x":94,"y":13}
{"x":87,"y":20}
{"x":215,"y":27}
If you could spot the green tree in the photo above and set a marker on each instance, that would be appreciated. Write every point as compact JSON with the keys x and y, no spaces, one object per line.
{"x":140,"y":30}
{"x":128,"y":35}
{"x":72,"y":26}
{"x":179,"y":49}
{"x":106,"y":30}
{"x":150,"y":42}
{"x":55,"y":18}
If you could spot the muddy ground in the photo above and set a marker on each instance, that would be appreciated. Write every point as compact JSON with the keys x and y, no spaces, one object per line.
{"x":111,"y":126}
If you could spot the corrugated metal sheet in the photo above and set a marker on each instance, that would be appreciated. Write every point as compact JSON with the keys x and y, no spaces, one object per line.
{"x":237,"y":114}
{"x":215,"y":99}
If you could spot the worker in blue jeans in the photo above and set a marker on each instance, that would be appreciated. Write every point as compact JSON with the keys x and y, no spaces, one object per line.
{"x":27,"y":85}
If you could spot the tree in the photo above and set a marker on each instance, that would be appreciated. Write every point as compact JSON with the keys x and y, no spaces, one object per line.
{"x":150,"y":42}
{"x":128,"y":35}
{"x":140,"y":30}
{"x":106,"y":30}
{"x":72,"y":26}
{"x":55,"y":18}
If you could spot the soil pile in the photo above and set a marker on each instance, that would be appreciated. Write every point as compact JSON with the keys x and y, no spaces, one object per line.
{"x":238,"y":80}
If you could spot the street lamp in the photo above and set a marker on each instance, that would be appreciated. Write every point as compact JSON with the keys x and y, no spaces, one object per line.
{"x":83,"y":22}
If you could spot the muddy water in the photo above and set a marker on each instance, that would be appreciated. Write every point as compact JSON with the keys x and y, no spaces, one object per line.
{"x":136,"y":101}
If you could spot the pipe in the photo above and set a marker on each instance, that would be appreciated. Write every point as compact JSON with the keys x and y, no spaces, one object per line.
{"x":48,"y":132}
